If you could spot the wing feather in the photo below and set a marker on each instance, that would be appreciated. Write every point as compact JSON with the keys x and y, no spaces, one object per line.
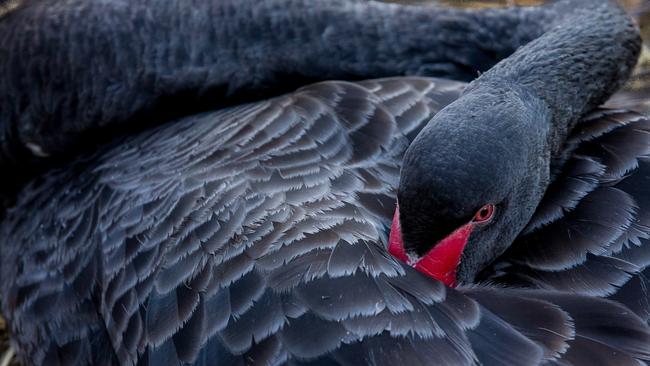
{"x":590,"y":233}
{"x":256,"y":235}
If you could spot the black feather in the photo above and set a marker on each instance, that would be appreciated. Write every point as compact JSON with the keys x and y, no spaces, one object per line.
{"x":219,"y":255}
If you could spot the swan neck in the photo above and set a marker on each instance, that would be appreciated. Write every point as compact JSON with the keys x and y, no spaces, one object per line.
{"x":583,"y":57}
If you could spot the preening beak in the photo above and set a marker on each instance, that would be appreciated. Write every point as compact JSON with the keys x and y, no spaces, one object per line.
{"x":441,"y":261}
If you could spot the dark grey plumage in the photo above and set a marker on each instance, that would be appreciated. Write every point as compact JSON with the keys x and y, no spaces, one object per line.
{"x":255,"y":234}
{"x":218,"y":256}
{"x":71,"y":83}
{"x":508,"y":130}
{"x":588,"y":234}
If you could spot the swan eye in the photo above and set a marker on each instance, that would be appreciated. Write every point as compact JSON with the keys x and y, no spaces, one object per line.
{"x":484,"y":214}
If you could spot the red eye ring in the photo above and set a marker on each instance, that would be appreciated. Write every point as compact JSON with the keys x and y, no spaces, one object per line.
{"x":484,"y":214}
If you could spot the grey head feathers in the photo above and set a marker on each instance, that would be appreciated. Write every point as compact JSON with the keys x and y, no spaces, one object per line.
{"x":497,"y":143}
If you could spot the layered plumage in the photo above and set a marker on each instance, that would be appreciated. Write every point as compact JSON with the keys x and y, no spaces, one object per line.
{"x":256,"y":234}
{"x":72,"y":84}
{"x":260,"y":238}
{"x":588,"y":233}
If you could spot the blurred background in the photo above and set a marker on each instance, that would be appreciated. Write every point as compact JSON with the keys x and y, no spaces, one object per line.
{"x":635,"y":94}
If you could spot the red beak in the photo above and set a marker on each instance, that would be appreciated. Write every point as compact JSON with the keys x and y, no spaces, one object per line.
{"x":441,"y":261}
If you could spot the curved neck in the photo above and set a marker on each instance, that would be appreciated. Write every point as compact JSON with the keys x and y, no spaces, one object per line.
{"x":582,"y":58}
{"x":91,"y":70}
{"x":146,"y":62}
{"x":508,"y":127}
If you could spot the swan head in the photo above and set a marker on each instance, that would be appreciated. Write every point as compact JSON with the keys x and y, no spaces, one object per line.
{"x":469,"y":183}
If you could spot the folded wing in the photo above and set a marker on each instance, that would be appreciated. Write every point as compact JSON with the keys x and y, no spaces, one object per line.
{"x":256,"y":235}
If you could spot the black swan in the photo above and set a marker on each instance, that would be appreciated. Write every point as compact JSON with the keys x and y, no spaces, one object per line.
{"x":258,"y":233}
